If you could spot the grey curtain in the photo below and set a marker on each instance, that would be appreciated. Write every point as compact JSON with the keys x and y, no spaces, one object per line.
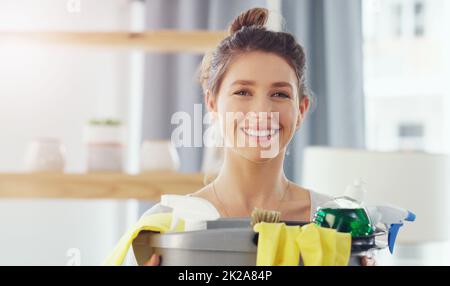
{"x":329,"y":30}
{"x":331,"y":33}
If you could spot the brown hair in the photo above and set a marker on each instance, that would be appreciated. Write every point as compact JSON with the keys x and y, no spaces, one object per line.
{"x":247,"y":34}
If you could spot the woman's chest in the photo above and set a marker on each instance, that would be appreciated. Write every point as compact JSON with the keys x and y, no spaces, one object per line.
{"x":296,"y":211}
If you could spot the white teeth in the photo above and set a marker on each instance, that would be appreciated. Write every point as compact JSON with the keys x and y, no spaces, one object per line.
{"x":260,"y":133}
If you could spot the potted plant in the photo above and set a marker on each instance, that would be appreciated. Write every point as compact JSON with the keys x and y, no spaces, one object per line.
{"x":104,"y":143}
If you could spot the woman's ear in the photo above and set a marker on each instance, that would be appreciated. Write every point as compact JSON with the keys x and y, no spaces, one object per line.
{"x":210,"y":101}
{"x":303,"y":108}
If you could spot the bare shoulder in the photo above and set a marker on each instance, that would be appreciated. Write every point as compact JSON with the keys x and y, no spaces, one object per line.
{"x":207,"y":194}
{"x":204,"y":193}
{"x":297,"y":193}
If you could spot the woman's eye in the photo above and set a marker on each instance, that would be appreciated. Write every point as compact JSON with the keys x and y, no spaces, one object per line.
{"x":242,"y":93}
{"x":281,"y":94}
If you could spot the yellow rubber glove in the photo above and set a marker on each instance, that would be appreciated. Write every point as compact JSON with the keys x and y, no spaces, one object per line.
{"x":277,"y":244}
{"x":321,"y":246}
{"x":344,"y":248}
{"x":310,"y":245}
{"x":157,"y":222}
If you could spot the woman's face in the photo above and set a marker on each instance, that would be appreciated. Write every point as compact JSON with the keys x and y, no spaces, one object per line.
{"x":258,"y":105}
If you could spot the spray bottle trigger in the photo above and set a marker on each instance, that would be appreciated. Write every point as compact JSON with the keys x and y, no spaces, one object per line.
{"x":393,"y":231}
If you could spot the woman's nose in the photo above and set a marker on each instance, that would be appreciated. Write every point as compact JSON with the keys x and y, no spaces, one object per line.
{"x":262,"y":104}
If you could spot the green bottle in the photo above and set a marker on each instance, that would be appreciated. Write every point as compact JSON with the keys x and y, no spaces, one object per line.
{"x":346,"y":213}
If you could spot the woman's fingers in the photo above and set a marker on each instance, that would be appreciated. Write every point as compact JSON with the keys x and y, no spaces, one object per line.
{"x":368,"y":261}
{"x":153,"y":261}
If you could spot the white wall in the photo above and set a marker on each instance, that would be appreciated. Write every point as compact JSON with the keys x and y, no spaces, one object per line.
{"x":53,"y":91}
{"x":446,"y":63}
{"x":42,"y":232}
{"x":61,"y":15}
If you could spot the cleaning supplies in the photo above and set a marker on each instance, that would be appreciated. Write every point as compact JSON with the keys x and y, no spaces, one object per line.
{"x":283,"y":245}
{"x":160,"y":222}
{"x":392,"y":217}
{"x":194,"y":211}
{"x":346,"y":213}
{"x":184,"y":237}
{"x":321,"y":246}
{"x":260,"y":215}
{"x":188,"y":214}
{"x":230,"y":242}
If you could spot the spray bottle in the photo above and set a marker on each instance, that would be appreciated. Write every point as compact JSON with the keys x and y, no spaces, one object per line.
{"x":392,"y":217}
{"x":347,"y":214}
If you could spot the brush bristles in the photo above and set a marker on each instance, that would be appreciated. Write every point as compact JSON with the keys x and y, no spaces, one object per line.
{"x":260,"y":215}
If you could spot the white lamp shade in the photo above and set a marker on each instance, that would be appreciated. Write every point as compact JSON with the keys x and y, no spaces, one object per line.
{"x":418,"y":182}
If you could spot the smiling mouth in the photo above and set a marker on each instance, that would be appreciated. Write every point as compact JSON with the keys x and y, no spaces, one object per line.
{"x":263,"y":134}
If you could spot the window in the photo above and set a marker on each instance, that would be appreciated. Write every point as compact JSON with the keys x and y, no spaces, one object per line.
{"x":406,"y":86}
{"x":397,"y":20}
{"x":419,"y":19}
{"x":410,"y":136}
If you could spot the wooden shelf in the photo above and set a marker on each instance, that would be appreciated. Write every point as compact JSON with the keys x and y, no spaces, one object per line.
{"x":192,"y":41}
{"x":148,"y":186}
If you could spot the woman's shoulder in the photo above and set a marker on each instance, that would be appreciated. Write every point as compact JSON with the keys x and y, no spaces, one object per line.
{"x":159,"y":208}
{"x":203,"y":193}
{"x":299,"y":190}
{"x":306,"y":200}
{"x":319,"y":197}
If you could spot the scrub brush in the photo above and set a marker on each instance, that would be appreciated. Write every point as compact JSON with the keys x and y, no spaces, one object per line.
{"x":260,"y":215}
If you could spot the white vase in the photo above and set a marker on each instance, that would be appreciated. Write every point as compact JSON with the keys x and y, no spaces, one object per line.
{"x":45,"y":155}
{"x":159,"y":155}
{"x":104,"y":157}
{"x":104,"y":148}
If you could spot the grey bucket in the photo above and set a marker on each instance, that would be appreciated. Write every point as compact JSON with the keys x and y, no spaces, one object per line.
{"x":225,"y":242}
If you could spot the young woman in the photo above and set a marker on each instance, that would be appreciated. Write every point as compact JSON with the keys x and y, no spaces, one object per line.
{"x":261,"y":74}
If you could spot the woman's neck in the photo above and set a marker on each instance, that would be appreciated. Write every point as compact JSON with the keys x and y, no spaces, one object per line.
{"x":243,"y":184}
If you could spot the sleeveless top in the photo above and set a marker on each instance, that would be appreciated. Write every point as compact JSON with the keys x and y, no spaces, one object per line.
{"x":316,"y":200}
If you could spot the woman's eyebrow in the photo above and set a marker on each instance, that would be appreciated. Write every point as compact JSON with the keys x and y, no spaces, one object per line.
{"x":282,"y":84}
{"x":251,"y":82}
{"x":243,"y":82}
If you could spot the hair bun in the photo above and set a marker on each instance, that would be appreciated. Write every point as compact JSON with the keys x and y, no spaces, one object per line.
{"x":251,"y":17}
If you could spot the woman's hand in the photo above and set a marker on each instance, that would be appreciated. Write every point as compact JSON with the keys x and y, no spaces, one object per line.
{"x":368,"y":261}
{"x":155,"y":260}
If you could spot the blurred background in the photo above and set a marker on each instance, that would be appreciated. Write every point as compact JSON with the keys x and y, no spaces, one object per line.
{"x":83,"y":100}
